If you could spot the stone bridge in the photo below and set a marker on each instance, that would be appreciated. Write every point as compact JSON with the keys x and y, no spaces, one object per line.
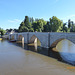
{"x":47,"y":39}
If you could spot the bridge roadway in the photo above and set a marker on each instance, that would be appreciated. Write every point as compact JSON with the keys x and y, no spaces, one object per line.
{"x":47,"y":39}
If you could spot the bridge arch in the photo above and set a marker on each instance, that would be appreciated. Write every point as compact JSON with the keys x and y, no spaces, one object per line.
{"x":34,"y":39}
{"x":58,"y":40}
{"x":12,"y":37}
{"x":20,"y":39}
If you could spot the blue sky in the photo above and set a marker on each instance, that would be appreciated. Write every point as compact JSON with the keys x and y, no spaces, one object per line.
{"x":13,"y":12}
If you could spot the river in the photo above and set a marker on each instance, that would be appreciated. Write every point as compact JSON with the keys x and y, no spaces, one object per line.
{"x":23,"y":59}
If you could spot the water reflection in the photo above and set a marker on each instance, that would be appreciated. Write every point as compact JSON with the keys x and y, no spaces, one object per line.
{"x":35,"y":45}
{"x":64,"y":51}
{"x":22,"y":44}
{"x":44,"y":51}
{"x":67,"y":51}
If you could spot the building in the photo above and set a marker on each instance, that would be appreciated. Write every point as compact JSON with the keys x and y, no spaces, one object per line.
{"x":11,"y":31}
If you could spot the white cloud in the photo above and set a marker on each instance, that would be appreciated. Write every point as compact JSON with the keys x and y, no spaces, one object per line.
{"x":14,"y":21}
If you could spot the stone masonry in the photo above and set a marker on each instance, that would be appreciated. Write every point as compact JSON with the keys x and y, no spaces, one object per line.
{"x":47,"y":39}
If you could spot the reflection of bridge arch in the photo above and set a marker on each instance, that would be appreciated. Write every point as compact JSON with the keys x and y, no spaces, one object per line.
{"x":58,"y":40}
{"x":34,"y":39}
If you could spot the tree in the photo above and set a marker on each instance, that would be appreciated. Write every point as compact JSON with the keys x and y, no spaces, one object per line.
{"x":26,"y":25}
{"x":26,"y":21}
{"x":47,"y":27}
{"x":21,"y":27}
{"x":64,"y":29}
{"x":31,"y":20}
{"x":71,"y":26}
{"x":69,"y":23}
{"x":72,"y":29}
{"x":2,"y":31}
{"x":53,"y":25}
{"x":39,"y":25}
{"x":56,"y":24}
{"x":35,"y":25}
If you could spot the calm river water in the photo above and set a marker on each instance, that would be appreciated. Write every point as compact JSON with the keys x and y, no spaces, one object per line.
{"x":22,"y":59}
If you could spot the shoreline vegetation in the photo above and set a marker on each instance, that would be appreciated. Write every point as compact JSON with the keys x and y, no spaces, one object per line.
{"x":29,"y":24}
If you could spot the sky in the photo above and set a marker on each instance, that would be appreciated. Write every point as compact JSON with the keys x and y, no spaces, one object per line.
{"x":13,"y":12}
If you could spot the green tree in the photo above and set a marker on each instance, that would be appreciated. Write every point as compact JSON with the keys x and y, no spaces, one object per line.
{"x":27,"y":23}
{"x":39,"y":25}
{"x":56,"y":24}
{"x":64,"y":29}
{"x":21,"y":27}
{"x":31,"y":20}
{"x":35,"y":25}
{"x":2,"y":31}
{"x":69,"y":23}
{"x":72,"y":29}
{"x":26,"y":26}
{"x":47,"y":27}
